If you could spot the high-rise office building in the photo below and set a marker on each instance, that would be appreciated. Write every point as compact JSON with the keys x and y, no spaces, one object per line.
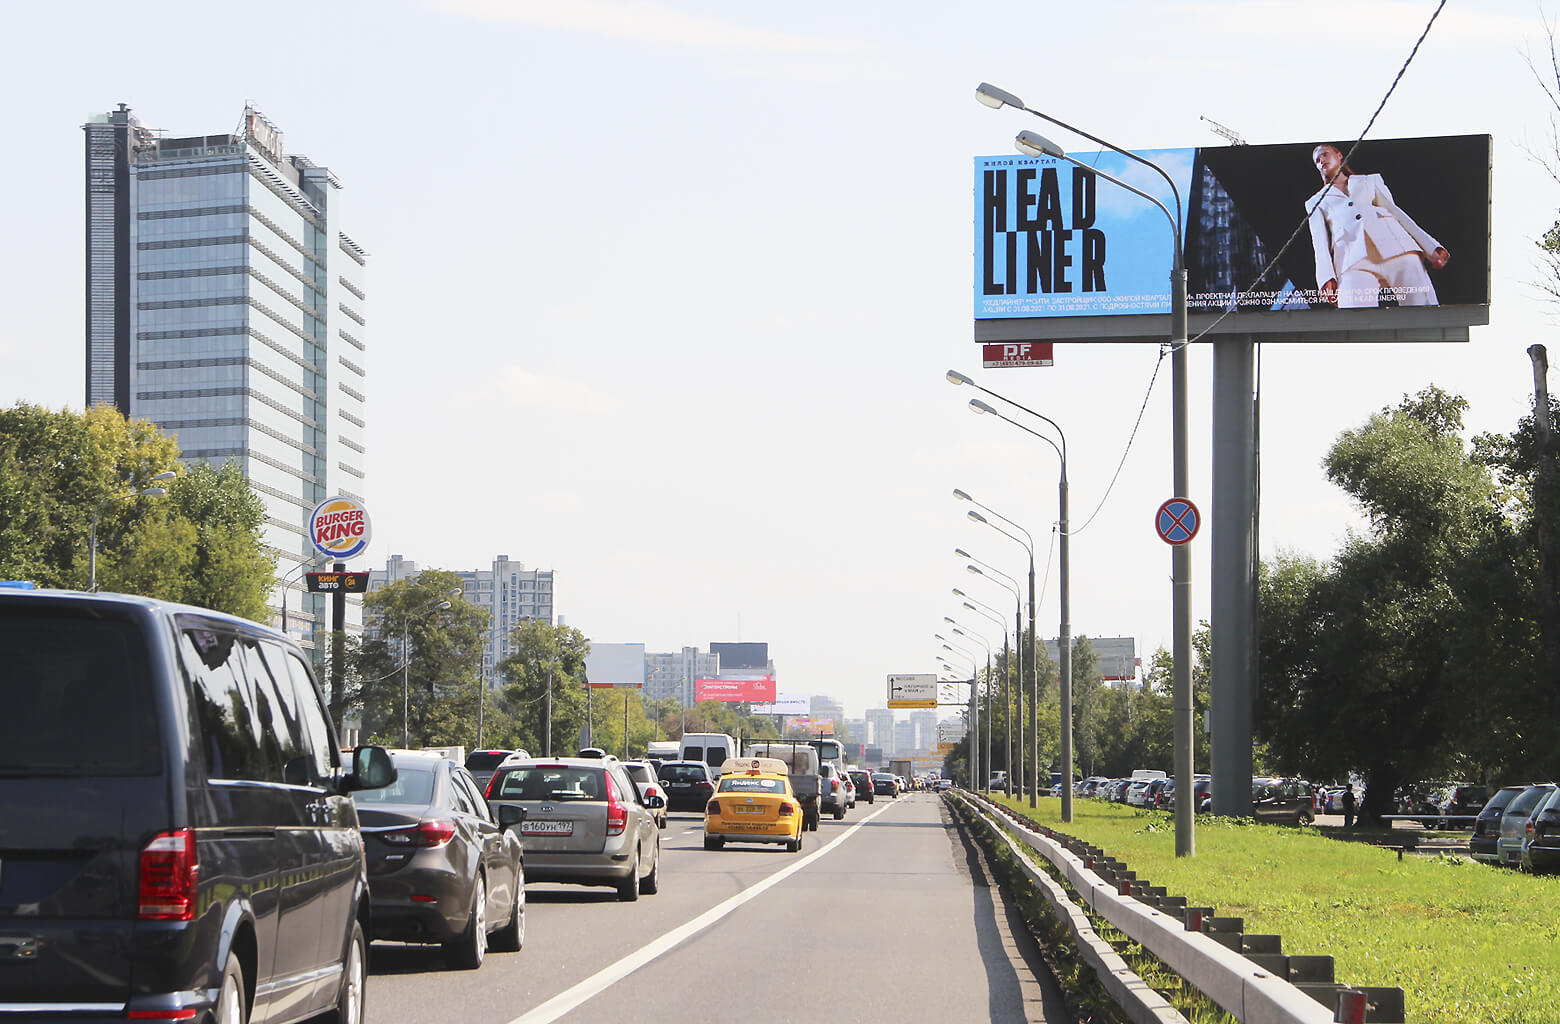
{"x":672,"y":674}
{"x":225,"y":304}
{"x":880,"y":728}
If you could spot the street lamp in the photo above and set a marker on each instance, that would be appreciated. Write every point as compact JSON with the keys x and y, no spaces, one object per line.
{"x":1064,"y":580}
{"x":406,"y":666}
{"x":92,"y":546}
{"x":1028,"y":544}
{"x":974,"y":719}
{"x":1018,"y":650}
{"x":1180,"y":558}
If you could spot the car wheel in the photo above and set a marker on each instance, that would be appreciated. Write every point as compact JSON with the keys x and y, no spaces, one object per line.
{"x":230,"y":1000}
{"x":839,"y":812}
{"x":1303,"y":818}
{"x":511,"y":937}
{"x":354,"y":981}
{"x":467,"y":951}
{"x":651,"y":883}
{"x":713,"y":842}
{"x":628,"y":888}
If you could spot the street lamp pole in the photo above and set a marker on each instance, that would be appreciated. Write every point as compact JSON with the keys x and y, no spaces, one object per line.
{"x":1181,"y":558}
{"x":1033,"y":755}
{"x":1064,"y":582}
{"x":1018,"y":648}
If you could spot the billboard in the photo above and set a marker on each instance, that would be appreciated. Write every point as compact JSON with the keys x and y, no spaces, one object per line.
{"x":784,"y":704}
{"x":735,"y":688}
{"x":742,"y":655}
{"x":1263,"y":234}
{"x":1116,"y":655}
{"x":614,"y":665}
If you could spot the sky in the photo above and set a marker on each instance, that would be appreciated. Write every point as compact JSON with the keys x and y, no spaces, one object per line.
{"x":661,"y":296}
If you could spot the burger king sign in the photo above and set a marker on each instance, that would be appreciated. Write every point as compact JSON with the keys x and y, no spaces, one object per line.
{"x":339,"y":528}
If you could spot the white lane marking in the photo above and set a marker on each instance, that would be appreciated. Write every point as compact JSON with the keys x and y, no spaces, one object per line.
{"x":570,"y":998}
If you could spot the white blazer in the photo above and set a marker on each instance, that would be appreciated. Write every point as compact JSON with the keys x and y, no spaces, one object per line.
{"x":1341,"y":223}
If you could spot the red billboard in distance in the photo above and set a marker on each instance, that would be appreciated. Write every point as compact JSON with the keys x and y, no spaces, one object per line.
{"x":735,"y":689}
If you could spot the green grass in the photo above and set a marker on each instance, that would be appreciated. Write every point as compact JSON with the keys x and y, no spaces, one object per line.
{"x":1466,"y":942}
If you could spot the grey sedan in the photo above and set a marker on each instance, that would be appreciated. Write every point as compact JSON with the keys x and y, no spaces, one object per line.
{"x":585,"y":822}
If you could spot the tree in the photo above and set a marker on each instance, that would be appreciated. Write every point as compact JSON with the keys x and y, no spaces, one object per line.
{"x":417,"y":667}
{"x":546,"y":660}
{"x":1380,"y":660}
{"x":59,"y":471}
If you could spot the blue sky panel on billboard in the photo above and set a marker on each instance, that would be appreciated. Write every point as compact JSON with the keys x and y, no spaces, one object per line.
{"x":1261,"y":227}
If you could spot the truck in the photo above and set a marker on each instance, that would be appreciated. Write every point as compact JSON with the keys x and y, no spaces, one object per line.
{"x":801,"y":760}
{"x":663,"y":750}
{"x":903,"y":767}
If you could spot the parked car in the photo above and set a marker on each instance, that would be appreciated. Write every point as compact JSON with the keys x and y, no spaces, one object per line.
{"x":753,"y":803}
{"x":480,"y":763}
{"x":1541,"y":844}
{"x":585,"y":822}
{"x":885,"y":784}
{"x":1282,"y":801}
{"x":1486,"y":827}
{"x":688,"y":784}
{"x":441,"y":867}
{"x":1514,"y":823}
{"x":1462,"y":799}
{"x":155,"y":755}
{"x":832,"y":796}
{"x":862,"y":779}
{"x":646,"y":777}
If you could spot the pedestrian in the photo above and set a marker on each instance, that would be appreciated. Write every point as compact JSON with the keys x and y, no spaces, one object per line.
{"x":1348,"y":806}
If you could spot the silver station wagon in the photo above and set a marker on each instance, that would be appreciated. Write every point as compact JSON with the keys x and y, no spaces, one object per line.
{"x":585,"y":822}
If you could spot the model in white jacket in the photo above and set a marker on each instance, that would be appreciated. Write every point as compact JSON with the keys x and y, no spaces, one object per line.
{"x":1364,"y":243}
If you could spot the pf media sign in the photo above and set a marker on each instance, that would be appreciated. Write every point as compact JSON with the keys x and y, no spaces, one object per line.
{"x":1016,"y":353}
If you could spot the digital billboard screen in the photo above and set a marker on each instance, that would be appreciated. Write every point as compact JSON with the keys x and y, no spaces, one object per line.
{"x":735,"y":689}
{"x":1405,"y":223}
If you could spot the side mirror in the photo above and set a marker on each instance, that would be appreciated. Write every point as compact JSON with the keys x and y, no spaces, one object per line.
{"x":371,"y":769}
{"x":509,"y":814}
{"x":655,"y":801}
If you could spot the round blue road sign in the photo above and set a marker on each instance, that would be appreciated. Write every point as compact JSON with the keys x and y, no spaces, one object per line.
{"x":1177,"y":521}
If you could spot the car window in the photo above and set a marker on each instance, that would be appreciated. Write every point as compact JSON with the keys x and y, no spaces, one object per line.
{"x":474,"y":792}
{"x":625,"y":782}
{"x":276,"y":705}
{"x":639,"y":773}
{"x":413,"y":785}
{"x":317,"y":735}
{"x":485,"y":760}
{"x":459,"y":798}
{"x":694,"y":754}
{"x":745,"y":784}
{"x":78,"y":697}
{"x":557,"y":782}
{"x":232,"y":723}
{"x":683,"y":773}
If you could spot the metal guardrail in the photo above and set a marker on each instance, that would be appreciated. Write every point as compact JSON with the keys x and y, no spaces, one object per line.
{"x":1246,"y":975}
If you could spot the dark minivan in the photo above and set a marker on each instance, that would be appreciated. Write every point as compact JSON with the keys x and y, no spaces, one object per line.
{"x":178,"y":842}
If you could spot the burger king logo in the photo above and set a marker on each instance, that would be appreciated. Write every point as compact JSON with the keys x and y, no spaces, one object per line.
{"x":339,"y":527}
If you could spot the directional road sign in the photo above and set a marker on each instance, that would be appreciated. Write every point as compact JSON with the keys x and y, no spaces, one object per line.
{"x":1177,"y":521}
{"x":912,"y":691}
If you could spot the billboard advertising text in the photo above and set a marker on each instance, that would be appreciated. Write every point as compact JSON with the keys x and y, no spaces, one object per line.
{"x":1405,"y":223}
{"x":735,"y":688}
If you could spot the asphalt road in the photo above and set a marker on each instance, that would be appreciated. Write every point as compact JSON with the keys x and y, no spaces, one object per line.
{"x":884,"y":916}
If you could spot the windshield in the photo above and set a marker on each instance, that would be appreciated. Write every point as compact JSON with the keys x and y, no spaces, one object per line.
{"x":748,"y":784}
{"x":412,"y":786}
{"x":683,"y":773}
{"x":553,"y":782}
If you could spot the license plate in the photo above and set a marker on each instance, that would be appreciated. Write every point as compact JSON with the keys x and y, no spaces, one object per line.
{"x":680,"y":785}
{"x":547,"y":828}
{"x":745,"y":809}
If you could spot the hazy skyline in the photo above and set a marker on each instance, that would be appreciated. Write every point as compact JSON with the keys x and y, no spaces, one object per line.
{"x":660,"y":296}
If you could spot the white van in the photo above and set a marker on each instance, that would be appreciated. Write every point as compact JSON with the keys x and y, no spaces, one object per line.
{"x":713,"y":748}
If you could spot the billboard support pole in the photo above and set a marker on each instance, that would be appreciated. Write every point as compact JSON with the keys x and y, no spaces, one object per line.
{"x":1234,"y":572}
{"x":1181,"y":568}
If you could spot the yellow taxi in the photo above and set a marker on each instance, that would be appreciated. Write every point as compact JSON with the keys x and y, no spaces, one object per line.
{"x":753,"y":803}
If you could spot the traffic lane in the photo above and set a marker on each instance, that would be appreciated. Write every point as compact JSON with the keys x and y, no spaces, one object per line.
{"x":571,"y":932}
{"x":895,"y":922}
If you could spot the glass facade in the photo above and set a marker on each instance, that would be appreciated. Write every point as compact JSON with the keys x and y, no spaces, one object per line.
{"x":246,"y":326}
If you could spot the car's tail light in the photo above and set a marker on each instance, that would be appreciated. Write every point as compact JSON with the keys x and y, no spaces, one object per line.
{"x":617,"y":813}
{"x":704,"y":785}
{"x":713,"y":807}
{"x":1528,"y":829}
{"x":834,"y":785}
{"x":786,"y":810}
{"x":168,"y":877}
{"x":430,"y":834}
{"x":487,"y":794}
